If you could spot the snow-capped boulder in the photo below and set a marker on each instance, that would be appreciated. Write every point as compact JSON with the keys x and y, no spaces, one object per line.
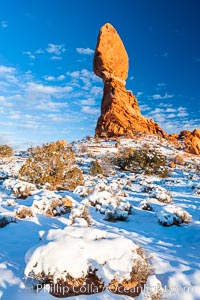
{"x":70,"y":256}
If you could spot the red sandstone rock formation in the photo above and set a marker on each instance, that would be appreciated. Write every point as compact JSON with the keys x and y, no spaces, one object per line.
{"x":120,"y":113}
{"x":191,"y":141}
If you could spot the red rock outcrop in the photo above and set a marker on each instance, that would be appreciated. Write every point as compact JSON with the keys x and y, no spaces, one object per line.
{"x":191,"y":141}
{"x":120,"y":113}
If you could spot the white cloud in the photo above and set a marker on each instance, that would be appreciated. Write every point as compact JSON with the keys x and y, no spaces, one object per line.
{"x":4,"y":24}
{"x":170,"y":110}
{"x":157,"y":110}
{"x":52,"y":78}
{"x":30,"y":55}
{"x":6,"y":70}
{"x":51,"y":106}
{"x":138,"y":94}
{"x":86,"y":51}
{"x":159,"y":97}
{"x":55,"y":49}
{"x":56,"y":58}
{"x":182,"y":114}
{"x":96,"y":91}
{"x":39,"y":51}
{"x":89,"y":101}
{"x":74,"y":74}
{"x":170,"y":116}
{"x":47,"y":89}
{"x":2,"y":98}
{"x":49,"y":78}
{"x":145,"y":107}
{"x":90,"y":110}
{"x":61,"y":77}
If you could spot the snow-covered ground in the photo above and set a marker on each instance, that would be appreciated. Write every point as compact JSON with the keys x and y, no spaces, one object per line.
{"x":53,"y":240}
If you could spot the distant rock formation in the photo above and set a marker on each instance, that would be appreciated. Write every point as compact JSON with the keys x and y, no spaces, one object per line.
{"x":120,"y":113}
{"x":191,"y":141}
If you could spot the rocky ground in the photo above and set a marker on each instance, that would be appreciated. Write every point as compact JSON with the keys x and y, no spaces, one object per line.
{"x":103,"y":225}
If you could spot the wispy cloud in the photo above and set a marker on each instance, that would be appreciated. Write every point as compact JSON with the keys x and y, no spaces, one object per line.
{"x":90,"y":110}
{"x":86,"y":51}
{"x":89,"y":101}
{"x":51,"y":106}
{"x":47,"y":89}
{"x":160,"y":97}
{"x":6,"y":70}
{"x":4,"y":24}
{"x":138,"y":94}
{"x":30,"y":54}
{"x":56,"y":49}
{"x":56,"y":57}
{"x":39,"y":51}
{"x":53,"y":78}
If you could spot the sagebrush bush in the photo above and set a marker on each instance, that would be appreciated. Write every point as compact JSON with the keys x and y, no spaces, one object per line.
{"x":116,"y":215}
{"x":96,"y":168}
{"x":81,"y":212}
{"x":52,"y":165}
{"x":24,"y":212}
{"x":58,"y":207}
{"x":23,"y":191}
{"x":179,"y":160}
{"x":6,"y":151}
{"x":147,"y":161}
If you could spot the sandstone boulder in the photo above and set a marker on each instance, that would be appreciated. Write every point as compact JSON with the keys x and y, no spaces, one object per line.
{"x":191,"y":141}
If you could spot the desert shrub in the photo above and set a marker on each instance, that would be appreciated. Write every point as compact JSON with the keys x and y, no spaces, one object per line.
{"x":141,"y":270}
{"x":81,"y":212}
{"x":145,"y":161}
{"x":172,"y":215}
{"x":116,"y":214}
{"x":161,"y":194}
{"x":96,"y":168}
{"x":179,"y":160}
{"x":146,"y":205}
{"x":58,"y":207}
{"x":88,"y":138}
{"x":24,"y":212}
{"x":6,"y":151}
{"x":83,"y":148}
{"x":52,"y":165}
{"x":22,"y":191}
{"x":96,"y":138}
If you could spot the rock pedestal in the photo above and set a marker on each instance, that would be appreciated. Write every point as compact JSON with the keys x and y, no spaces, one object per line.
{"x":120,"y":113}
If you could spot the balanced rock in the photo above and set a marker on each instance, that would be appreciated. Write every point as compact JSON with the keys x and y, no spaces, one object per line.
{"x":111,"y":58}
{"x":120,"y":113}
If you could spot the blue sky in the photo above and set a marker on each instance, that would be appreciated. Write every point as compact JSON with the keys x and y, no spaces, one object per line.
{"x":47,"y":88}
